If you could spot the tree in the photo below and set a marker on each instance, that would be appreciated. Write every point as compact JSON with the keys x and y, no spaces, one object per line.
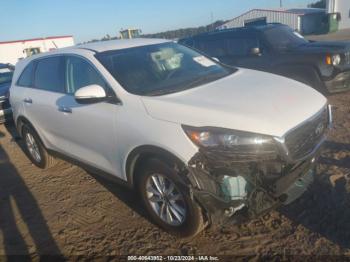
{"x":185,"y":32}
{"x":318,"y":4}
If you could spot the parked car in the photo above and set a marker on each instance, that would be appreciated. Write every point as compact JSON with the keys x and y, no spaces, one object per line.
{"x":6,"y":72}
{"x":201,"y":142}
{"x":276,"y":48}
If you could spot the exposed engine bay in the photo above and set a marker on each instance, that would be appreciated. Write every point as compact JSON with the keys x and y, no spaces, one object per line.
{"x":226,"y":188}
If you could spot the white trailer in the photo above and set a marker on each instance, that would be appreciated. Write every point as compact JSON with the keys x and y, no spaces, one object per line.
{"x":13,"y":51}
{"x":342,"y":7}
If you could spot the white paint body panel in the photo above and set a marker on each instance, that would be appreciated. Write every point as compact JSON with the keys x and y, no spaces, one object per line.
{"x":92,"y":91}
{"x":247,"y":100}
{"x":103,"y":135}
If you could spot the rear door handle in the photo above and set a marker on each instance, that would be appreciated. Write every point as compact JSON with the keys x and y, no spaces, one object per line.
{"x":65,"y":109}
{"x":28,"y":101}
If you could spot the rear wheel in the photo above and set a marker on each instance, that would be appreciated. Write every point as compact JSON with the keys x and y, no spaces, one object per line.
{"x":35,"y":149}
{"x":167,"y":202}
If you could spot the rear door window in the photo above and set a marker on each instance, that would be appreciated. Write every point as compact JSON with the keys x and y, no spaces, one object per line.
{"x":228,"y":45}
{"x":241,"y":46}
{"x":49,"y":74}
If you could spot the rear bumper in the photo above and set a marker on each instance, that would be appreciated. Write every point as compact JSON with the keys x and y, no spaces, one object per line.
{"x":340,"y":83}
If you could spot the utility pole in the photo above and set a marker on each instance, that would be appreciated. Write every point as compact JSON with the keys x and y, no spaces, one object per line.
{"x":281,"y":4}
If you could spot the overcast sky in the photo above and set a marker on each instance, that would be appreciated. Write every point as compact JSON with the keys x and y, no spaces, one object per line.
{"x":88,"y":19}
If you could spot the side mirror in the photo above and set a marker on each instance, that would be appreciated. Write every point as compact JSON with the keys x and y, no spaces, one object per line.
{"x":255,"y":51}
{"x":90,"y":94}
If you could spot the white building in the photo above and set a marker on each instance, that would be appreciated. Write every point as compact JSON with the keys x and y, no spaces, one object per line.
{"x":342,"y":7}
{"x":12,"y":51}
{"x":304,"y":20}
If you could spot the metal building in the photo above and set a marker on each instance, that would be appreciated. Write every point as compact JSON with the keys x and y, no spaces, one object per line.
{"x":343,"y":8}
{"x":306,"y":20}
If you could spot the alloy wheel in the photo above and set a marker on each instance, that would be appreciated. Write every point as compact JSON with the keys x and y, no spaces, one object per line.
{"x":33,"y":147}
{"x":166,"y":200}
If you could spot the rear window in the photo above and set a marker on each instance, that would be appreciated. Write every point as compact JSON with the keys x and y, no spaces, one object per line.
{"x":49,"y":74}
{"x":26,"y":78}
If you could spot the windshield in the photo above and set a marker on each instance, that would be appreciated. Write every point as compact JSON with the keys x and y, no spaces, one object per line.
{"x":5,"y":75}
{"x":283,"y":37}
{"x":161,"y":69}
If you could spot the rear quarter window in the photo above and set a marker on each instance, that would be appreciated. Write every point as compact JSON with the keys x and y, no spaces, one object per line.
{"x":26,"y":78}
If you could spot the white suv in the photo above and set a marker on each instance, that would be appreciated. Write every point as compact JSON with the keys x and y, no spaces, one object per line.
{"x":201,"y":142}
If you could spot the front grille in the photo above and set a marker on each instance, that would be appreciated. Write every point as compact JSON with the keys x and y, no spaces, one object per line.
{"x":5,"y":104}
{"x":302,"y":141}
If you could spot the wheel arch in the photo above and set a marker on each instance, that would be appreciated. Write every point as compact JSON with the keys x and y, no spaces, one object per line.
{"x":138,"y":156}
{"x":22,"y":121}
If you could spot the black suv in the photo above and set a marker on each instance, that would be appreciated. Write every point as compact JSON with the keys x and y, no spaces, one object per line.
{"x":6,"y":73}
{"x":276,"y":48}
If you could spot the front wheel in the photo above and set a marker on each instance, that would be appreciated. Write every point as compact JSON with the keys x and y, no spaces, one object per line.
{"x":35,"y":149}
{"x":168,"y":204}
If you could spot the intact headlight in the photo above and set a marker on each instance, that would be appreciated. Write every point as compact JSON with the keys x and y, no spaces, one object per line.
{"x":336,"y":59}
{"x":243,"y":144}
{"x":333,"y":60}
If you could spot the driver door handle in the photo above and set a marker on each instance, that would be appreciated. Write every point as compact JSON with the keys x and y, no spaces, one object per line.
{"x":65,"y":109}
{"x":28,"y":100}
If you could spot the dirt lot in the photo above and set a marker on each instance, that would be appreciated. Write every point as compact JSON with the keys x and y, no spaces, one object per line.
{"x":341,"y":35}
{"x":67,"y":211}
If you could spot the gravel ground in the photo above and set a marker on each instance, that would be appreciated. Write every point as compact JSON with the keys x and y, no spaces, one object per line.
{"x":65,"y":210}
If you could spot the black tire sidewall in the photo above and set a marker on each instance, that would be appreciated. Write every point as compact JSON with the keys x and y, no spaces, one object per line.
{"x":193,"y":220}
{"x":42,"y":151}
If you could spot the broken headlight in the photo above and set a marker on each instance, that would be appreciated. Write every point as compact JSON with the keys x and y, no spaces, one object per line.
{"x":235,"y":143}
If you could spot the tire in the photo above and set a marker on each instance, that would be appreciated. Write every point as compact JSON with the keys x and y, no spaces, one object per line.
{"x":41,"y":158}
{"x":192,"y":221}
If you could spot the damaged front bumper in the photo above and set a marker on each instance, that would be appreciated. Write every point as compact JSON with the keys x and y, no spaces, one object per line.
{"x":228,"y":184}
{"x":259,"y":187}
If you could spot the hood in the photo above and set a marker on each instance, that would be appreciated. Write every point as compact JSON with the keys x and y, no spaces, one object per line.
{"x":247,"y":100}
{"x":4,"y":88}
{"x":325,"y":47}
